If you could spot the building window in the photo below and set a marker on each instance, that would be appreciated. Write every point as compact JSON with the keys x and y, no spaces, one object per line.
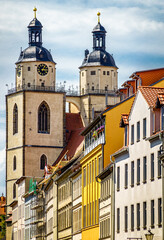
{"x":104,"y":73}
{"x":144,"y":170}
{"x":144,"y":128}
{"x":132,"y":134}
{"x":159,"y":212}
{"x":118,"y":220}
{"x":138,"y":171}
{"x":44,"y":118}
{"x":138,"y":216}
{"x":144,"y":215}
{"x":84,"y":177}
{"x":159,"y":165}
{"x":93,"y":88}
{"x":14,"y":163}
{"x":152,"y":214}
{"x":126,"y":219}
{"x":126,"y":135}
{"x":152,"y":166}
{"x":126,"y":175}
{"x":132,"y":174}
{"x":43,"y":161}
{"x":15,"y":119}
{"x":93,"y":178}
{"x":14,"y":190}
{"x":108,"y":73}
{"x":138,"y":131}
{"x":29,"y":68}
{"x":118,"y":178}
{"x":28,"y":84}
{"x":132,"y":217}
{"x":93,"y":72}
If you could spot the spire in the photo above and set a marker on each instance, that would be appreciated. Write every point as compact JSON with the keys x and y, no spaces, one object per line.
{"x":35,"y":31}
{"x":35,"y":9}
{"x":99,"y":33}
{"x":98,"y":14}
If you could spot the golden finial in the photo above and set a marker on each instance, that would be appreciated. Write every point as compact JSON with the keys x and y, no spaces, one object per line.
{"x":98,"y":14}
{"x":35,"y":9}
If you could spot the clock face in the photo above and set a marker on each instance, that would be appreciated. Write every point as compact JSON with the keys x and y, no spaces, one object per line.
{"x":18,"y":70}
{"x":42,"y":69}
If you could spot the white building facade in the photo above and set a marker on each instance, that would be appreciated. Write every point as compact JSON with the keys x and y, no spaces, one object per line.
{"x":138,"y":186}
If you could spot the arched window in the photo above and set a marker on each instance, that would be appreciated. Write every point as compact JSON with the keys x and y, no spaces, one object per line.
{"x":37,"y":37}
{"x":44,"y":118}
{"x":43,"y":161}
{"x":14,"y":190}
{"x":15,"y":119}
{"x":14,"y":163}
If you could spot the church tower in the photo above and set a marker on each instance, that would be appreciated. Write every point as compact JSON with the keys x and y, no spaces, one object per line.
{"x":35,"y":114}
{"x":98,"y":77}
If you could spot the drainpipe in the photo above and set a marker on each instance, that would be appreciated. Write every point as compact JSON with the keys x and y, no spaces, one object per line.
{"x":161,"y":158}
{"x":113,"y":202}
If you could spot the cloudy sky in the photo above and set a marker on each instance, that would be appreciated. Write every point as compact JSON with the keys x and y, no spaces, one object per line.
{"x":135,"y":37}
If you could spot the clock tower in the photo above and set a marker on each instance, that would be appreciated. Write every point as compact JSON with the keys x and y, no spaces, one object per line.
{"x":35,"y":115}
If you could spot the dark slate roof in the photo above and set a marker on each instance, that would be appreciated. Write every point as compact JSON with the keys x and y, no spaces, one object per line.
{"x":99,"y":58}
{"x":35,"y":53}
{"x":99,"y":28}
{"x":35,"y":23}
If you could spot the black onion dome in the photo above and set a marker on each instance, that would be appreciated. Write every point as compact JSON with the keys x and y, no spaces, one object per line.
{"x":99,"y":58}
{"x":99,"y":28}
{"x":35,"y":53}
{"x":35,"y":23}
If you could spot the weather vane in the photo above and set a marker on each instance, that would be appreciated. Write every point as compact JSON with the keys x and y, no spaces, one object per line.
{"x":35,"y":9}
{"x":98,"y":14}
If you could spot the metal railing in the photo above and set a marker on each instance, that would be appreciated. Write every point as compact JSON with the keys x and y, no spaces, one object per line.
{"x":61,"y":89}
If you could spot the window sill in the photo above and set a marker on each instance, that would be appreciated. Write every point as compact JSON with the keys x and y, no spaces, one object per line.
{"x":152,"y":226}
{"x":126,"y":187}
{"x":118,"y":190}
{"x":138,"y":228}
{"x":132,"y":229}
{"x":144,"y":227}
{"x":159,"y":177}
{"x":132,"y":143}
{"x":132,"y":185}
{"x":151,"y":179}
{"x":160,"y":225}
{"x":144,"y":137}
{"x":138,"y":140}
{"x":138,"y":183}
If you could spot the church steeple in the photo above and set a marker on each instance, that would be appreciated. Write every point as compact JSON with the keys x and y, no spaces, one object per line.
{"x":99,"y":33}
{"x":35,"y":31}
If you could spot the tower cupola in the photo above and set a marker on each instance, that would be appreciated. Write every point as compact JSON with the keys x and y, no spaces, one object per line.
{"x":99,"y":33}
{"x":35,"y":31}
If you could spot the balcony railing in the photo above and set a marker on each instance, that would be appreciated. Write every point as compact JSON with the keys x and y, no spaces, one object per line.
{"x":99,"y":140}
{"x":61,"y":89}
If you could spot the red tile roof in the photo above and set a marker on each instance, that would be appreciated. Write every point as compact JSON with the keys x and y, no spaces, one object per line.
{"x":149,"y":77}
{"x":161,"y":98}
{"x":74,"y":127}
{"x":124,"y":119}
{"x":150,"y":94}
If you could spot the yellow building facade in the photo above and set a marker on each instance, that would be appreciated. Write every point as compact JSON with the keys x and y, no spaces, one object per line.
{"x":91,"y":167}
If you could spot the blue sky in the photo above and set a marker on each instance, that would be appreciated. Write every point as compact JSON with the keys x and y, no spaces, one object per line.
{"x":135,"y":37}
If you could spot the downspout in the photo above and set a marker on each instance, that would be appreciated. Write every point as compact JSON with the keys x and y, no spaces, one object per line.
{"x":113,"y":201}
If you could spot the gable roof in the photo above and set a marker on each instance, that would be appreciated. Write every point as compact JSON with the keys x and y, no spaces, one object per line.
{"x":150,"y":94}
{"x":149,"y":77}
{"x":74,"y":127}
